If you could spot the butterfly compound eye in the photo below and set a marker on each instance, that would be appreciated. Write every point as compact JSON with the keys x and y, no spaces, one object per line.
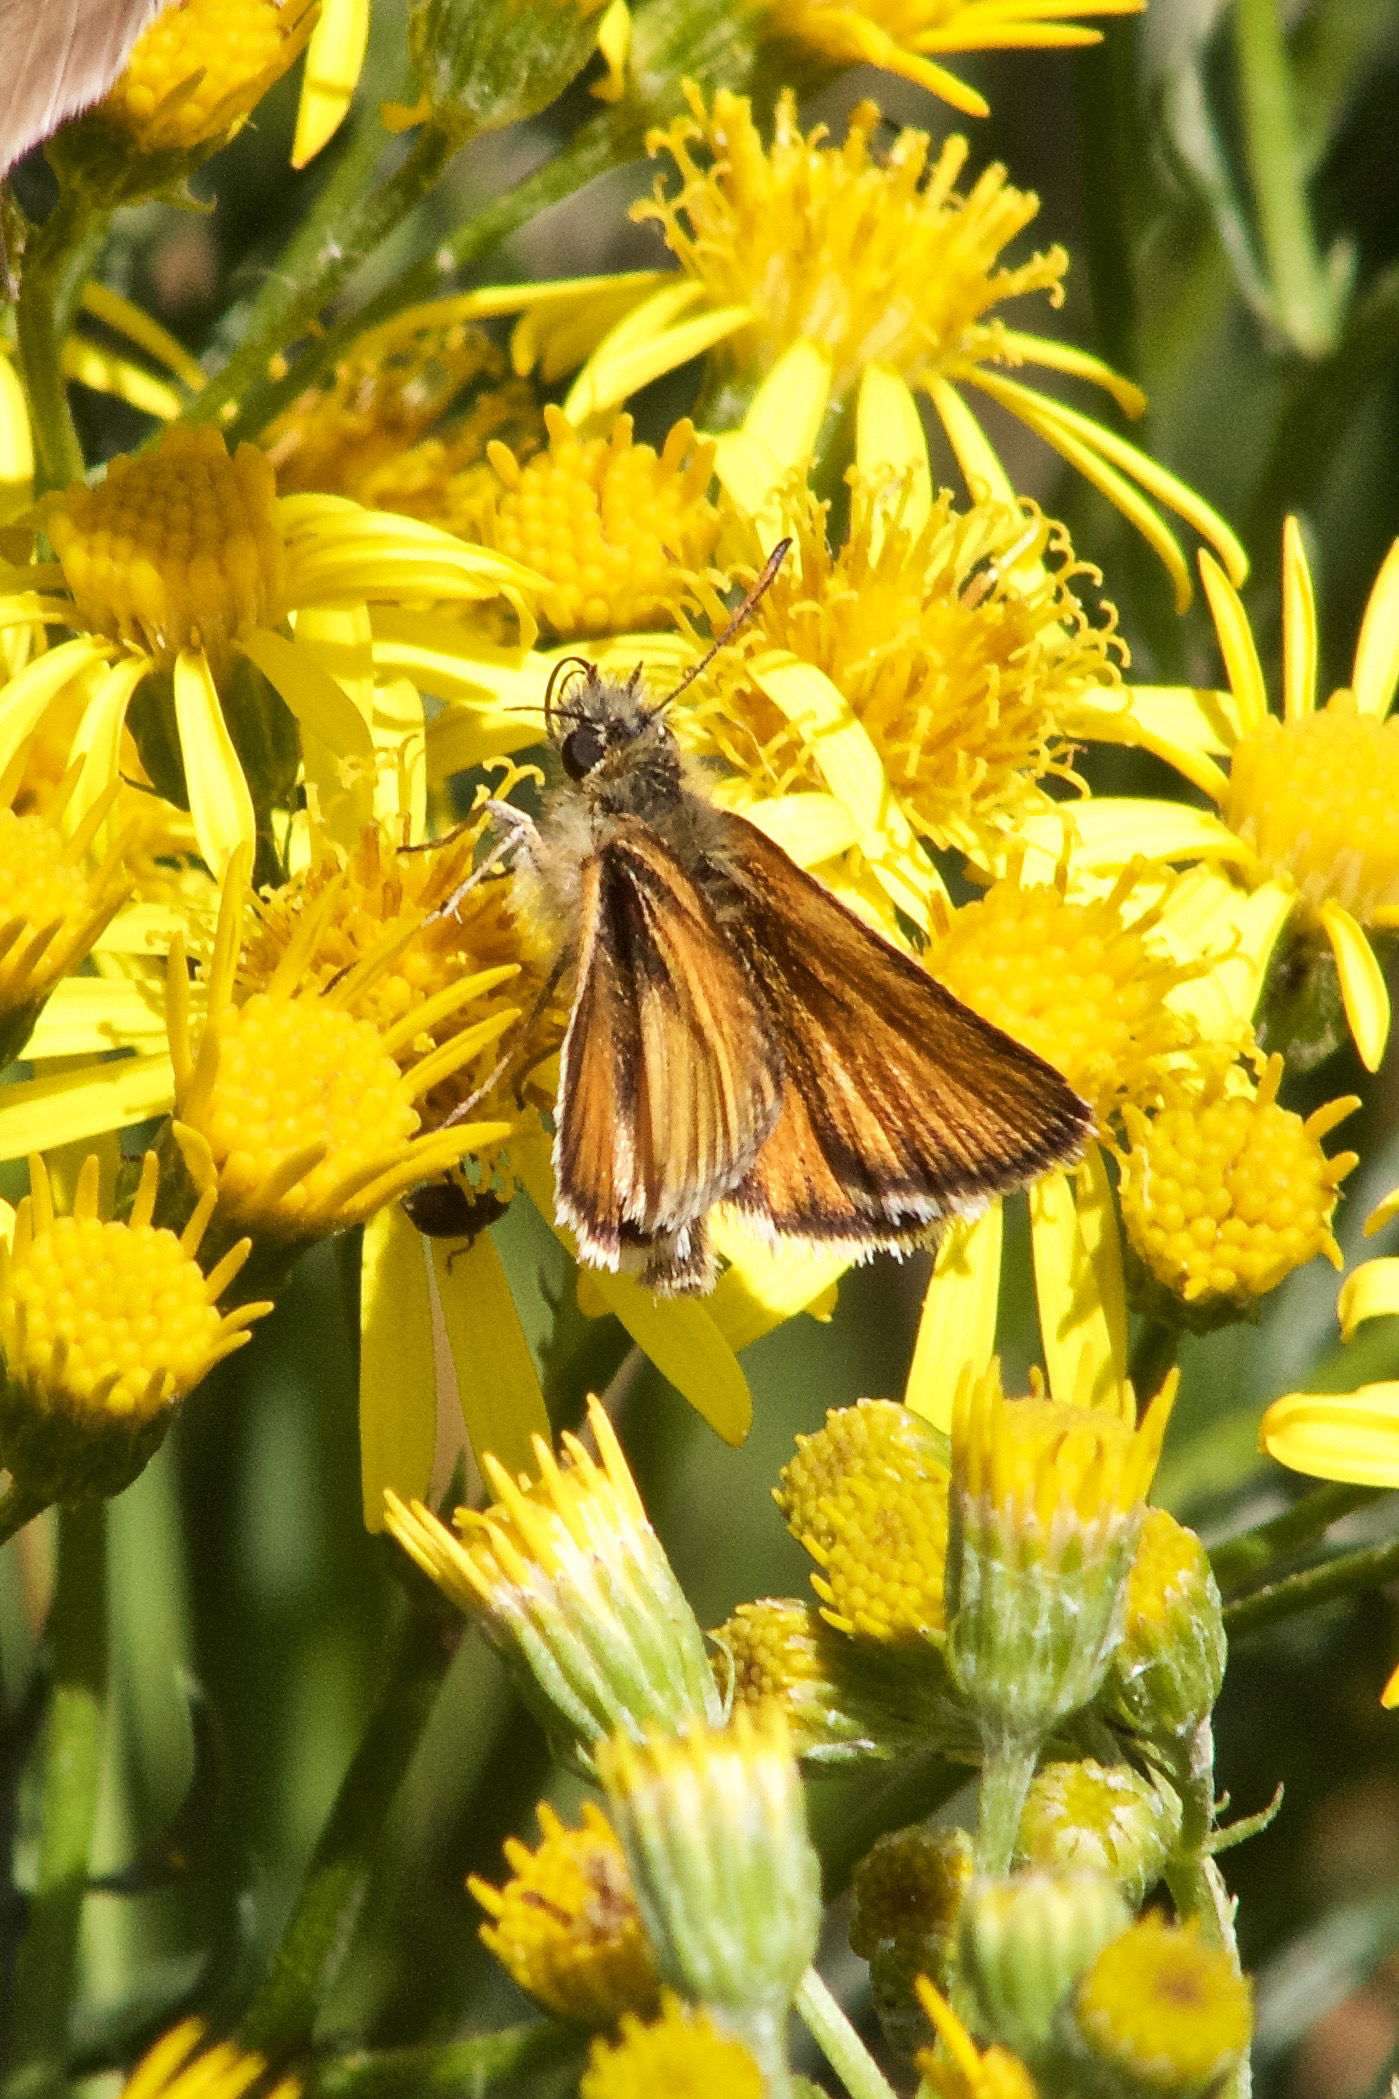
{"x":581,"y":750}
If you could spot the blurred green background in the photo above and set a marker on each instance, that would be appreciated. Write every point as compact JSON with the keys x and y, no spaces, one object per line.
{"x":255,"y":1616}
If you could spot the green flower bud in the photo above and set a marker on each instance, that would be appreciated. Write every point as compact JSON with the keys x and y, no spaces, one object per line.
{"x":1025,"y":1940}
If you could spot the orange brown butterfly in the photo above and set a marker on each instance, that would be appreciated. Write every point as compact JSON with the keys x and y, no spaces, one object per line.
{"x":736,"y":1035}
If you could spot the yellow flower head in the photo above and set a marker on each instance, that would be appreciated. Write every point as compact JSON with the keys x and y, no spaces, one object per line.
{"x":1164,"y":2009}
{"x":902,"y":36}
{"x":1223,"y":1198}
{"x":840,"y":1706}
{"x":568,"y":1578}
{"x":566,"y":1927}
{"x":404,"y":420}
{"x":880,"y":261}
{"x":958,"y":2069}
{"x":614,"y":526}
{"x":293,"y":1108}
{"x":682,"y":2053}
{"x":1099,"y":1818}
{"x":105,"y":1325}
{"x":199,"y":69}
{"x":1084,"y":982}
{"x":960,"y":667}
{"x":181,"y":2066}
{"x":1168,"y":1666}
{"x":56,"y":895}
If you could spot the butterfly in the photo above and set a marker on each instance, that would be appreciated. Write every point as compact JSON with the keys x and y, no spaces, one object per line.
{"x":737,"y":1035}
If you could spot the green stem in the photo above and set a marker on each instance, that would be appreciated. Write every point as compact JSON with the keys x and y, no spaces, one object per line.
{"x":838,"y":2041}
{"x":57,"y":257}
{"x":317,"y":1935}
{"x":1346,"y":1576}
{"x":1240,"y":1561}
{"x":457,"y":2067}
{"x":18,"y":1507}
{"x":602,"y":144}
{"x":1005,"y":1781}
{"x":1304,"y":304}
{"x":328,"y":257}
{"x":46,"y":1969}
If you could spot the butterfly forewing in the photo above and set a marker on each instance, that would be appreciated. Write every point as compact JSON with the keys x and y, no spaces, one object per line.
{"x":670,"y":1078}
{"x":900,"y":1105}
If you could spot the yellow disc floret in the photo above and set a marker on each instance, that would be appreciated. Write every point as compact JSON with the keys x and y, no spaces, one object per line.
{"x":1315,"y":798}
{"x":53,"y":904}
{"x":200,"y":67}
{"x":614,"y":525}
{"x":879,"y":260}
{"x":1164,"y":2009}
{"x":1223,"y":1199}
{"x":682,"y":2053}
{"x":566,"y":1927}
{"x":104,"y":1325}
{"x":178,"y":548}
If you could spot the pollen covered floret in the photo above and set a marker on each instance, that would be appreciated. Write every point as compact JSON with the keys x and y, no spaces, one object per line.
{"x":614,"y":526}
{"x":682,"y":2052}
{"x":1224,"y":1198}
{"x":1315,"y":798}
{"x":566,"y":1926}
{"x":199,"y":68}
{"x":1164,"y":2009}
{"x":105,"y":1324}
{"x":177,"y":548}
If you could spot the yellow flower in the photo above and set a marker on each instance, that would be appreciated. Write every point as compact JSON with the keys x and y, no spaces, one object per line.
{"x":334,"y":57}
{"x":56,"y":895}
{"x":1307,"y":804}
{"x":199,"y":68}
{"x":182,"y":564}
{"x":1099,"y":1818}
{"x":902,"y":35}
{"x":292,"y":1109}
{"x":566,"y":1926}
{"x":1164,"y":2010}
{"x":1168,"y":1666}
{"x":614,"y":527}
{"x":961,"y":2070}
{"x":1224,"y":1197}
{"x":181,"y":2066}
{"x":683,"y":2053}
{"x":105,"y":1325}
{"x":862,"y":262}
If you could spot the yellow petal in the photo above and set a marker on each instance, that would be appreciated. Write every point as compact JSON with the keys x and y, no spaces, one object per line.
{"x":397,"y":1387}
{"x":777,"y":437}
{"x":98,"y":738}
{"x":317,"y":699}
{"x":611,"y":375}
{"x":334,"y":58}
{"x":141,"y":328}
{"x":1384,"y":1211}
{"x":1236,"y":644}
{"x":957,"y":1327}
{"x":107,"y":373}
{"x":30,"y":694}
{"x":502,"y":1403}
{"x":1377,"y":651}
{"x":1368,"y":1292}
{"x":614,"y":42}
{"x":977,"y":458}
{"x":765,"y":1284}
{"x":1109,"y":831}
{"x":1298,"y":626}
{"x":1182,"y":724}
{"x":1350,"y":1436}
{"x":1389,"y":1696}
{"x":809,"y":827}
{"x":60,"y":1107}
{"x":220,"y":806}
{"x":1363,"y":989}
{"x":1083,"y":1338}
{"x":1076,"y":364}
{"x":88,"y":1016}
{"x":890,"y":445}
{"x":1208,"y":918}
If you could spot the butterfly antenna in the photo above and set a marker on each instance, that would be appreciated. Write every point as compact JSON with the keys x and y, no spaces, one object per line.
{"x":741,"y":617}
{"x":566,"y":668}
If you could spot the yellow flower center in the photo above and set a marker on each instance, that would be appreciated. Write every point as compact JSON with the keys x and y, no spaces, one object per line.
{"x":1167,"y":1566}
{"x":1172,"y":2013}
{"x":179,"y":548}
{"x":567,"y":1927}
{"x":767,"y":1651}
{"x":106,"y":1320}
{"x":292,"y":1075}
{"x":883,"y":1558}
{"x":682,"y":2053}
{"x":881,"y":261}
{"x":1315,"y":798}
{"x":51,"y":907}
{"x":1223,"y":1199}
{"x":614,"y":526}
{"x":199,"y":68}
{"x":1078,"y":982}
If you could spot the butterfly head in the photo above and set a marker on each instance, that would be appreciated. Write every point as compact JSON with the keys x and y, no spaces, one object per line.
{"x":603,"y":727}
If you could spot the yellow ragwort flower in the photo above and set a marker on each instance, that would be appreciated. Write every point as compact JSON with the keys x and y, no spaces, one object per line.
{"x":56,"y":893}
{"x":182,"y":2066}
{"x":1168,"y":1665}
{"x":292,"y":1108}
{"x":958,"y":2069}
{"x":1164,"y":2010}
{"x":1224,"y":1197}
{"x":908,"y":36}
{"x":200,"y":67}
{"x":183,"y":561}
{"x":1099,"y":1818}
{"x":616,"y":528}
{"x":105,"y":1325}
{"x":566,"y":1927}
{"x":1308,"y":800}
{"x":683,"y":2052}
{"x":872,"y":261}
